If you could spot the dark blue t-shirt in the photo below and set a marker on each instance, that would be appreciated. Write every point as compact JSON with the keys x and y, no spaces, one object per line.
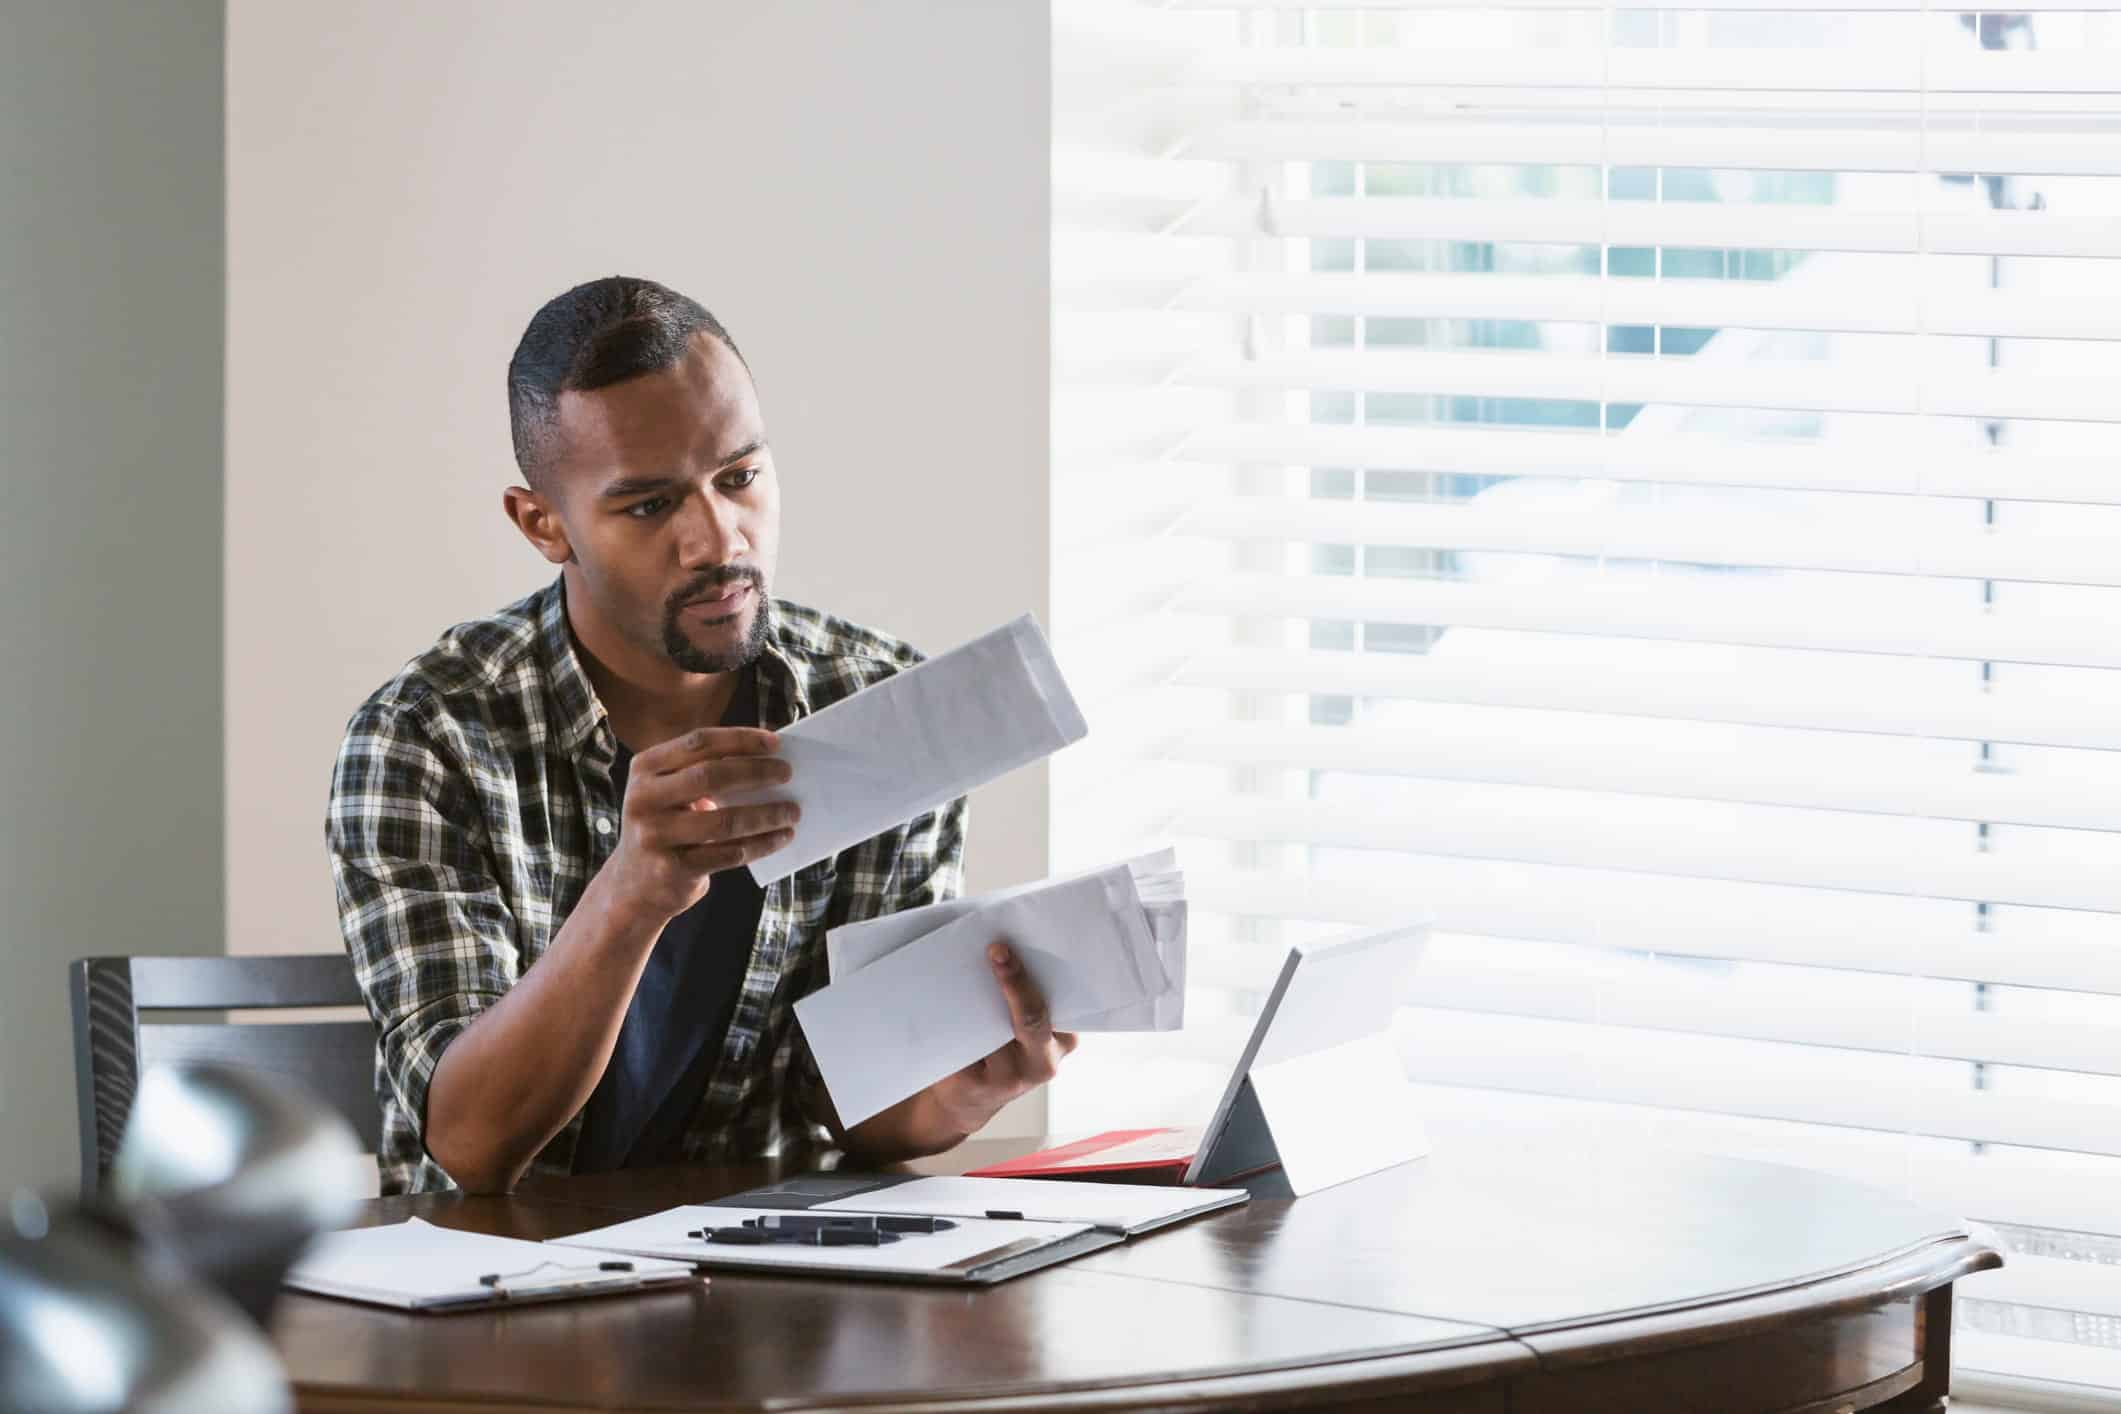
{"x":674,"y":1026}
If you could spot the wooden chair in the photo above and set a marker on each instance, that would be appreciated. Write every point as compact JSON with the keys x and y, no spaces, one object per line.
{"x":334,"y":1060}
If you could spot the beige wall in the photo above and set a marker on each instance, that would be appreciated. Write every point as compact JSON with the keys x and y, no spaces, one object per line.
{"x":858,"y":190}
{"x":110,"y":470}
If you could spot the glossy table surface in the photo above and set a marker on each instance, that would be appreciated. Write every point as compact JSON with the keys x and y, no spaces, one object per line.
{"x":1493,"y":1274}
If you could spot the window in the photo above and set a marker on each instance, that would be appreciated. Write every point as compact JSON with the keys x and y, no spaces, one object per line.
{"x":1642,"y":487}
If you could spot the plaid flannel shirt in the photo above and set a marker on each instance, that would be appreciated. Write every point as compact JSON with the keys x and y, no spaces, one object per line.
{"x":472,"y":803}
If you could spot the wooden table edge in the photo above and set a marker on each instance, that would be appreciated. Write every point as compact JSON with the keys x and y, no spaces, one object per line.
{"x":1902,"y":1276}
{"x":1491,"y":1360}
{"x":1460,"y":1373}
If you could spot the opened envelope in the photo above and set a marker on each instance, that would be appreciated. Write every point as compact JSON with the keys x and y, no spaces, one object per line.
{"x":914,"y":998}
{"x":917,"y":739}
{"x":1160,"y":887}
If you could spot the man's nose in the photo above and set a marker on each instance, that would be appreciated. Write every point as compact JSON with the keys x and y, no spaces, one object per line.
{"x":711,"y":530}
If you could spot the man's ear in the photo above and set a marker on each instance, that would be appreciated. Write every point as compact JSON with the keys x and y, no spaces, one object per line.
{"x":534,"y":516}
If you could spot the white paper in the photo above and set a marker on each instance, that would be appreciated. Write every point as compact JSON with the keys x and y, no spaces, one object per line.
{"x":663,"y":1235}
{"x":1160,"y":945}
{"x":932,"y":1006}
{"x":853,"y":946}
{"x":917,"y":739}
{"x":1121,"y":1207}
{"x":1166,"y":1011}
{"x":413,"y":1264}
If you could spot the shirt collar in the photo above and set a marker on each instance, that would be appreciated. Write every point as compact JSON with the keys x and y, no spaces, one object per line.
{"x":582,"y":724}
{"x":583,"y":728}
{"x":784,"y":691}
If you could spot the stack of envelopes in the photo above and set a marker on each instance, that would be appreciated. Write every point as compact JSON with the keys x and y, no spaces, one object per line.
{"x":913,"y":997}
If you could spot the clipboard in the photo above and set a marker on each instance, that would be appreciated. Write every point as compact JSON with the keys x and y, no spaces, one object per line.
{"x":972,"y":1252}
{"x":1128,"y":1211}
{"x":416,"y":1266}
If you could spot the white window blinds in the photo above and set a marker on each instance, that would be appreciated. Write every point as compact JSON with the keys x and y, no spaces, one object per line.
{"x":1643,"y":486}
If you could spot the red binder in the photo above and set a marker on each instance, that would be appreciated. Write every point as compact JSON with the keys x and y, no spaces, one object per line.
{"x":1116,"y":1156}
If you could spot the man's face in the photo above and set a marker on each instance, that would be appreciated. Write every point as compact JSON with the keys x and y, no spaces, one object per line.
{"x":671,"y":509}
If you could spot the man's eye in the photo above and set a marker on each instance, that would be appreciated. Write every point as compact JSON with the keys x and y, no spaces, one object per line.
{"x":653,"y":506}
{"x":740,"y":478}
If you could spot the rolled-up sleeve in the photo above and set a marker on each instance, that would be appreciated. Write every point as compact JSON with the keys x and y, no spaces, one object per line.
{"x":432,"y":940}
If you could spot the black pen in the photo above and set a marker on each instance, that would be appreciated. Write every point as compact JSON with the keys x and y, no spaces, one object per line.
{"x":879,"y":1222}
{"x":813,"y":1222}
{"x":794,"y":1237}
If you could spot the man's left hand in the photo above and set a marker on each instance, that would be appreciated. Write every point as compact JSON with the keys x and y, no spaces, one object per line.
{"x":949,"y":1111}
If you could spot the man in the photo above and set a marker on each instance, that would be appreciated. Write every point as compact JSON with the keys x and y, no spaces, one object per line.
{"x":568,"y":965}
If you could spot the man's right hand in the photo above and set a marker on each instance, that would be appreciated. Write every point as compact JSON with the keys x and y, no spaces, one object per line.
{"x":507,"y":1084}
{"x":674,"y":835}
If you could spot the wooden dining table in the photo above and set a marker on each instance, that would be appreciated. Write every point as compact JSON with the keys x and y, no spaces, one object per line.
{"x":1496,"y":1274}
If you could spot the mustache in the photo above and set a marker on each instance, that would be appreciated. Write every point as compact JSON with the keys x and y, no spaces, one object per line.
{"x":711,"y":584}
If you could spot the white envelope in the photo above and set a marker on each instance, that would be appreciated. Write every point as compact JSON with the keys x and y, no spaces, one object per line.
{"x":1161,"y":948}
{"x":931,"y":1005}
{"x":1166,"y":1011}
{"x":916,"y":740}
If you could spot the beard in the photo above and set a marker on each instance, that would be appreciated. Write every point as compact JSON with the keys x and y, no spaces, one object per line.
{"x":689,"y":655}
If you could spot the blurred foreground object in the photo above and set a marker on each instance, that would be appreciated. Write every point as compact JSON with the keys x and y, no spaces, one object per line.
{"x":90,"y":1320}
{"x":232,"y":1173}
{"x":139,"y":1301}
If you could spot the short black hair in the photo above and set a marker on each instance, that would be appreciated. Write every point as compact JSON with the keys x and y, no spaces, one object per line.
{"x":595,"y":335}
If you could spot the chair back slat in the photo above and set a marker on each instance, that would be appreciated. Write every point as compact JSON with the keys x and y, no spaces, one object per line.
{"x":335,"y":1060}
{"x":106,"y":1058}
{"x":230,"y":983}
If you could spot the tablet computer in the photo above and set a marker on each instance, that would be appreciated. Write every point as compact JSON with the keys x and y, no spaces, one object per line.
{"x":1319,"y":1088}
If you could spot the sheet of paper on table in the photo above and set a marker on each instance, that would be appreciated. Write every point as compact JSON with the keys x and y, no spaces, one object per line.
{"x":962,"y":1253}
{"x":1128,"y":1208}
{"x":416,"y":1266}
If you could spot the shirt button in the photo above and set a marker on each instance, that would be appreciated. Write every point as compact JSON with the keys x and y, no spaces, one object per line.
{"x":603,"y":824}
